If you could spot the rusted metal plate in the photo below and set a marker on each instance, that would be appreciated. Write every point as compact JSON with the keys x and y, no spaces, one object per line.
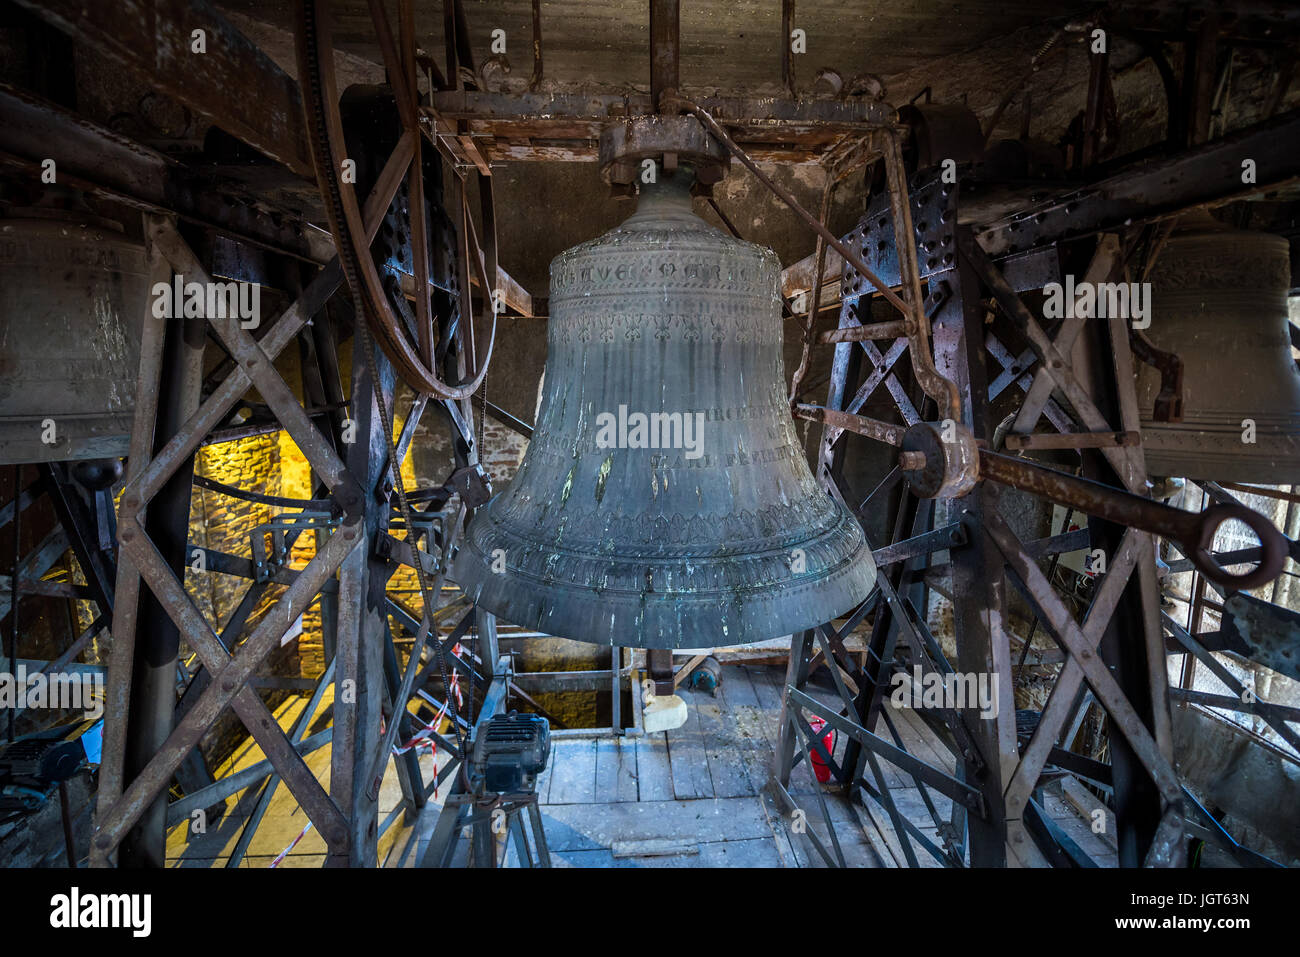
{"x":1157,"y":189}
{"x":1270,"y":632}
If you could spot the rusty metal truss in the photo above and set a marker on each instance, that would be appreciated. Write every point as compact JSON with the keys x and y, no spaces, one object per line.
{"x":349,"y":538}
{"x":991,"y":768}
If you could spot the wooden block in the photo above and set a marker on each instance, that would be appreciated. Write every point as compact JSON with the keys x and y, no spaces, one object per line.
{"x":654,"y":847}
{"x":664,"y":713}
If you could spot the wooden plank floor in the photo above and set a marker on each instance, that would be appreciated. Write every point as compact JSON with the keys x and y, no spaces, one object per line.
{"x":696,"y":796}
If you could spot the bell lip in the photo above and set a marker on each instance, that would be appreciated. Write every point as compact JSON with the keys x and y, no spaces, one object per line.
{"x":579,"y":614}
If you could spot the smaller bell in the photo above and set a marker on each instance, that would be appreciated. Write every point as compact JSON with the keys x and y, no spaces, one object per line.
{"x":1219,"y":302}
{"x":73,"y":290}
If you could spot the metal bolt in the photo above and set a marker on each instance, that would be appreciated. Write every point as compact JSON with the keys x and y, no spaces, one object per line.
{"x":910,"y":461}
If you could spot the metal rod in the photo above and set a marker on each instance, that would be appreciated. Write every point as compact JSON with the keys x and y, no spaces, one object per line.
{"x":13,"y":584}
{"x":1291,"y":497}
{"x":665,"y":49}
{"x":937,"y":386}
{"x":787,"y":53}
{"x":536,"y":79}
{"x":872,"y":428}
{"x":1194,"y":533}
{"x":731,"y":227}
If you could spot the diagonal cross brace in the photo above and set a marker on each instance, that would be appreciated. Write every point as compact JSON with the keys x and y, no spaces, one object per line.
{"x":148,"y":473}
{"x":162,"y":233}
{"x":231,"y":674}
{"x":1054,"y":364}
{"x":1068,"y":633}
{"x":1132,"y":548}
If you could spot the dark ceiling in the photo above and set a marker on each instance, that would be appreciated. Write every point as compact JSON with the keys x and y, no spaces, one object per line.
{"x":731,"y":45}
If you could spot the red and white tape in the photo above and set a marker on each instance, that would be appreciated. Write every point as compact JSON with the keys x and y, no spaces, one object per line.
{"x":283,"y":854}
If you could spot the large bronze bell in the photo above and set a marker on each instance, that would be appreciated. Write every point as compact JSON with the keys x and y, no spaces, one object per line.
{"x":1218,"y":299}
{"x":664,"y":501}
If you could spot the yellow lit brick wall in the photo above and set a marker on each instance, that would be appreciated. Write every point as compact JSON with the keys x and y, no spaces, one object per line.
{"x":226,"y":524}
